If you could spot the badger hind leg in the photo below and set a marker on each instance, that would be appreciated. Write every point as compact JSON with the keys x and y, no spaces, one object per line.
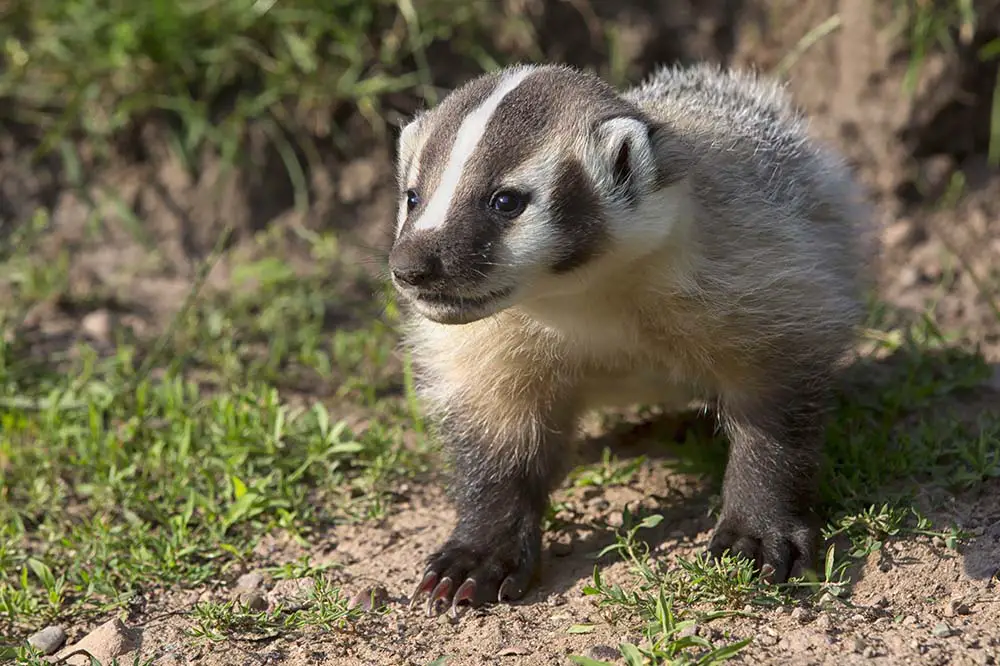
{"x":770,"y":485}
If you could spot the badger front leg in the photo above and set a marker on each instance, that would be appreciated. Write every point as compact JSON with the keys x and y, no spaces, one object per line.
{"x":504,"y":471}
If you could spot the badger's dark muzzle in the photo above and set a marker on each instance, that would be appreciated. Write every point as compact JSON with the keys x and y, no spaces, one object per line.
{"x":415,"y":265}
{"x":441,"y":261}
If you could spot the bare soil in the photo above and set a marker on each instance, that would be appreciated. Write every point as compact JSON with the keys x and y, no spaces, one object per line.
{"x":906,"y":150}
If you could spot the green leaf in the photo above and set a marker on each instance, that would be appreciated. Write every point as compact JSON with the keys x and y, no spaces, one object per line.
{"x":239,"y":488}
{"x":631,"y":653}
{"x":580,"y":629}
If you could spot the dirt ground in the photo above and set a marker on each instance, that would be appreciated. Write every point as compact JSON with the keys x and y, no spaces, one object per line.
{"x":906,"y":151}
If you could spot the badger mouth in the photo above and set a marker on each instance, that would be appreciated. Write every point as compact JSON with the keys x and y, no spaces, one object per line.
{"x":448,"y":308}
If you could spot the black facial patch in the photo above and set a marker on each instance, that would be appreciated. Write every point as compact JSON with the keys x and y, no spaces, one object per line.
{"x":446,"y":119}
{"x":576,"y":213}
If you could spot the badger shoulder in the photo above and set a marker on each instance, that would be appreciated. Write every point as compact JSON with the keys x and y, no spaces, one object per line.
{"x":780,"y":213}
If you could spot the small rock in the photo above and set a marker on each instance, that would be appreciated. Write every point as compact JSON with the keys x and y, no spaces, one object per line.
{"x":513,"y":651}
{"x":111,"y":639}
{"x":824,"y":622}
{"x":903,"y":233}
{"x":688,"y":631}
{"x":250,"y":581}
{"x":616,"y":519}
{"x":371,"y":597}
{"x":909,"y":621}
{"x":885,"y":566}
{"x":938,"y":542}
{"x":97,"y":325}
{"x":562,"y":546}
{"x":602,"y":652}
{"x":48,"y":640}
{"x":827,"y":600}
{"x":955,"y":607}
{"x":942,"y":630}
{"x":292,"y":594}
{"x":254,"y":600}
{"x":802,"y":615}
{"x":858,"y":644}
{"x":767,"y":640}
{"x":869,"y":653}
{"x":557,"y":599}
{"x":446,"y":618}
{"x":598,"y":505}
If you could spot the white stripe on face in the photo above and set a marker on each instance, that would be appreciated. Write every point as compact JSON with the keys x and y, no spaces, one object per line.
{"x":470,"y":132}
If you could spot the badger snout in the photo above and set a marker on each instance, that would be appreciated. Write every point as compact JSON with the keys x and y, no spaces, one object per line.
{"x":447,"y":282}
{"x":415,"y":265}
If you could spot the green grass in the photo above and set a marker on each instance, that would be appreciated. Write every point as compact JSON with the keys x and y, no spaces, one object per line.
{"x":931,"y":26}
{"x":162,"y":465}
{"x":894,"y":445}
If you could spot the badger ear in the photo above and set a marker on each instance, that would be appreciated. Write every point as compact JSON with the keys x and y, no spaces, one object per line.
{"x":625,"y":161}
{"x":406,"y":146}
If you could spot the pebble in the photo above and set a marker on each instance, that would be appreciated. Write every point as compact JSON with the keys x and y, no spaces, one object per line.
{"x":250,"y":581}
{"x":827,"y":600}
{"x":909,"y":621}
{"x":110,"y":640}
{"x":97,"y":325}
{"x":293,"y":594}
{"x":942,"y":630}
{"x":557,"y":599}
{"x":254,"y":600}
{"x":802,"y":615}
{"x":824,"y":622}
{"x":369,"y":598}
{"x":602,"y":652}
{"x":688,"y":631}
{"x":859,"y":645}
{"x":869,"y":653}
{"x":953,"y":607}
{"x":561,"y":547}
{"x":48,"y":640}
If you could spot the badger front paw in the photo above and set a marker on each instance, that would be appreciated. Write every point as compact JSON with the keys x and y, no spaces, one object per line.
{"x":479,"y":567}
{"x":777,"y":542}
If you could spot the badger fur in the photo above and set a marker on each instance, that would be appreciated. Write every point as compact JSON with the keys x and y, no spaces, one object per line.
{"x":562,"y":246}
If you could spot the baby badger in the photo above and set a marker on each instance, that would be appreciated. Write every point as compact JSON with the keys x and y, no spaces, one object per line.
{"x":561,"y":246}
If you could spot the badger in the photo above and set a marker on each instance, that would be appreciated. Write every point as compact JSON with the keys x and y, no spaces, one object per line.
{"x":563,"y":246}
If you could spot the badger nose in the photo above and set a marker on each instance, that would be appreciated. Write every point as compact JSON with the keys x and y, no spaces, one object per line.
{"x":415,"y":269}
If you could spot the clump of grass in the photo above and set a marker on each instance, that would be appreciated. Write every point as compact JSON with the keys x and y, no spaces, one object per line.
{"x":947,"y":25}
{"x":325,"y":609}
{"x":888,"y":442}
{"x":93,"y":68}
{"x":667,"y":629}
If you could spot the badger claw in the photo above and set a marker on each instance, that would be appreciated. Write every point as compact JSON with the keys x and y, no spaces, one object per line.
{"x":466,"y":593}
{"x":440,"y":593}
{"x":427,"y":584}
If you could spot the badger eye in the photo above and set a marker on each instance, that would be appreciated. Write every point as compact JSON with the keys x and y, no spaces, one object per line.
{"x":412,"y":199}
{"x":508,"y":203}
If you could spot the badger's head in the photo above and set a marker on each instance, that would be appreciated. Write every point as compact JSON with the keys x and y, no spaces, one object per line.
{"x":517,"y":180}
